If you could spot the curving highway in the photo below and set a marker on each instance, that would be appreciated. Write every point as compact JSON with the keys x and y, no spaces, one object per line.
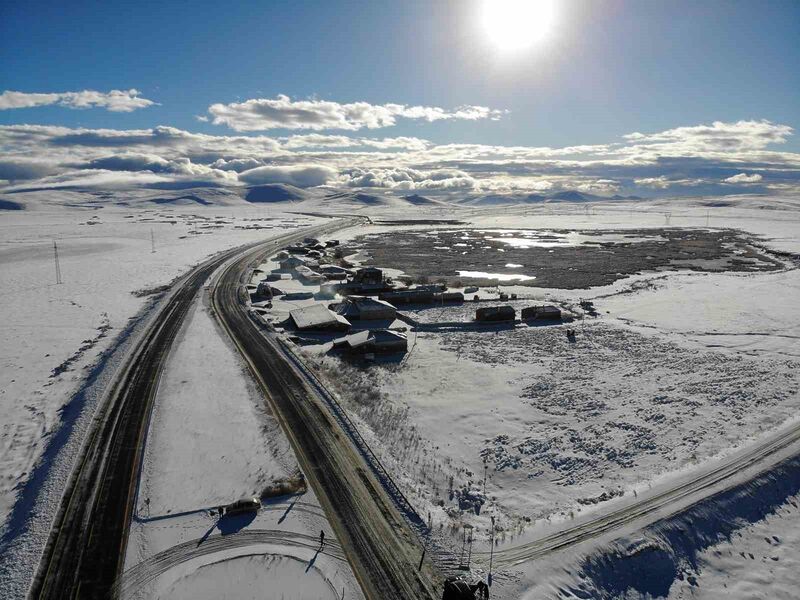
{"x":383,"y":550}
{"x":85,"y":553}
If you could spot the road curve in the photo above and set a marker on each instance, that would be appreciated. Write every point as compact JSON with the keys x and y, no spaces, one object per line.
{"x":86,"y":549}
{"x":381,"y":547}
{"x":146,"y":571}
{"x":681,"y":496}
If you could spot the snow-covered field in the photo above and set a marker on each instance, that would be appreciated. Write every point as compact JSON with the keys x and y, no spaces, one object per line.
{"x":212,"y":441}
{"x":758,"y":561}
{"x":677,"y":369}
{"x":51,"y":333}
{"x":62,"y":342}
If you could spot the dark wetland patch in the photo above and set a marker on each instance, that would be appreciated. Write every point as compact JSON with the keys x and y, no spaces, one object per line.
{"x":553,"y":258}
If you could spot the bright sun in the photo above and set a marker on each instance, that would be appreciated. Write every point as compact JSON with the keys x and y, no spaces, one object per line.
{"x":517,"y":24}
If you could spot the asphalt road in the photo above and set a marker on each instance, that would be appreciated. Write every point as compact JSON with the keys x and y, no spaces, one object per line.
{"x":85,"y":553}
{"x":383,"y":551}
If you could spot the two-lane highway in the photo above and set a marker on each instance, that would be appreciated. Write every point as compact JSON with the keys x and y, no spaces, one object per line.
{"x":86,"y":550}
{"x":381,"y":547}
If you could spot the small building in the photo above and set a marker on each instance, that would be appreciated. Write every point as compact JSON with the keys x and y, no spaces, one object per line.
{"x":336,"y":276}
{"x":431,"y":287}
{"x":298,"y":296}
{"x":496,"y":313}
{"x":317,"y":318}
{"x":368,"y":276}
{"x":307,"y":275}
{"x":328,"y":269}
{"x":310,"y":241}
{"x":278,"y":276}
{"x":410,"y":296}
{"x":297,"y":249}
{"x":332,"y":243}
{"x":550,"y":313}
{"x":375,"y":341}
{"x":291,"y":263}
{"x":446,"y":297}
{"x":282,"y":254}
{"x":365,"y":308}
{"x":265,"y":291}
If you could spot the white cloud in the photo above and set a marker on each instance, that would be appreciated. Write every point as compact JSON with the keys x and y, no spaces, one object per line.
{"x":744,"y":178}
{"x":115,"y":100}
{"x":282,"y":112}
{"x":318,"y":140}
{"x":409,"y":179}
{"x":599,"y":186}
{"x":52,"y":154}
{"x":660,"y":182}
{"x":17,"y":169}
{"x":741,"y":135}
{"x":100,"y":178}
{"x":541,"y":186}
{"x":297,"y":175}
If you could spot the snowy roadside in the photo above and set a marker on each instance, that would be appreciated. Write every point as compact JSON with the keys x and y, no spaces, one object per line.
{"x":51,"y":389}
{"x":680,"y":368}
{"x":213,"y":440}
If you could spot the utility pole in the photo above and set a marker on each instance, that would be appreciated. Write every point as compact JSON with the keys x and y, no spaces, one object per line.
{"x":485,"y":471}
{"x":58,"y":265}
{"x":491,"y":554}
{"x":152,"y":242}
{"x":469,"y":556}
{"x":463,"y":546}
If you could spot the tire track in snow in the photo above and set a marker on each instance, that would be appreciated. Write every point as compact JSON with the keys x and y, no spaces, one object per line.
{"x":148,"y":570}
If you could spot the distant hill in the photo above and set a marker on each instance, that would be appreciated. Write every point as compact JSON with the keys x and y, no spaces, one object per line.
{"x":563,"y":196}
{"x":185,"y":199}
{"x":9,"y":205}
{"x":355,"y":198}
{"x":274,"y":192}
{"x":573,"y":196}
{"x":418,"y":200}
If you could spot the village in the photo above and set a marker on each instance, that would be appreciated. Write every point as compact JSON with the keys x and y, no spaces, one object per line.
{"x":357,"y":310}
{"x":503,"y":402}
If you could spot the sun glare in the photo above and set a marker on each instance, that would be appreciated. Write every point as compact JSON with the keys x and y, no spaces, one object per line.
{"x":514,"y":25}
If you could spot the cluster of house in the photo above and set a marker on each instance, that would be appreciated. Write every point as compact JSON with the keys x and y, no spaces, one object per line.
{"x":337,"y":318}
{"x":368,"y":296}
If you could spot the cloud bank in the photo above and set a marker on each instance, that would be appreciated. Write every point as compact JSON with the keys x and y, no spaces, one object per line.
{"x":284,"y":113}
{"x":114,"y":101}
{"x":744,"y":178}
{"x":721,"y":158}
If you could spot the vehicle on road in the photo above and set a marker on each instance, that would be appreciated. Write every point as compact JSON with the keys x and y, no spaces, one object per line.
{"x":242,"y":506}
{"x":457,"y":588}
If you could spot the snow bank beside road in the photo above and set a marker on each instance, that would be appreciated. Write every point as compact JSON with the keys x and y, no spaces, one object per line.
{"x":211,"y":439}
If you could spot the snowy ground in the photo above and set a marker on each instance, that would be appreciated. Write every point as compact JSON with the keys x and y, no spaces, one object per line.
{"x":759,"y":561}
{"x":63,"y":342}
{"x":51,"y":333}
{"x":212,"y":440}
{"x":678,"y":368}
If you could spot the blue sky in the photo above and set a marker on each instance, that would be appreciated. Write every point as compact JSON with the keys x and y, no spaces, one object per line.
{"x":606,"y":68}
